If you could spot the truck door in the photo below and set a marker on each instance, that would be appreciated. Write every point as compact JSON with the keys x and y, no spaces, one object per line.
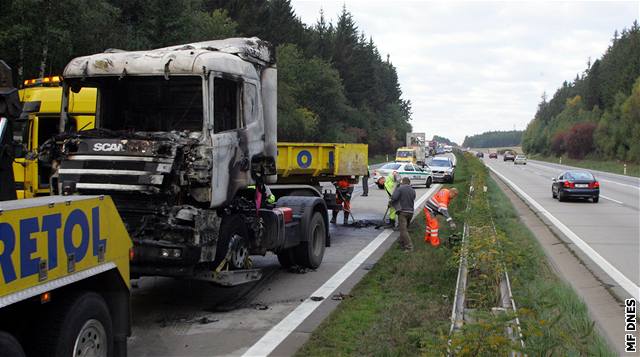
{"x":237,"y":135}
{"x":20,"y":140}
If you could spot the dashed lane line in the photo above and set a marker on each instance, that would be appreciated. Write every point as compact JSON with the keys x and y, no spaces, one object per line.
{"x":611,"y":199}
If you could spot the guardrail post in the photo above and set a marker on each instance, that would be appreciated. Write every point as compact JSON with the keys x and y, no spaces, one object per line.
{"x":560,"y":160}
{"x":625,"y":168}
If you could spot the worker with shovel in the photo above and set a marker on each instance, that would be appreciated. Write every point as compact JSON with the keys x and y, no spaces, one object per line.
{"x":438,"y":204}
{"x":390,"y":184}
{"x":344,"y":190}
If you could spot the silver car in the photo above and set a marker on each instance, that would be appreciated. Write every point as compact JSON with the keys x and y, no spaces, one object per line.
{"x":442,"y":169}
{"x":415,"y":173}
{"x":520,"y":159}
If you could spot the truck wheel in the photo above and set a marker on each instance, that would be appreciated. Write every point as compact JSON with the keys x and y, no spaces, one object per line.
{"x":233,"y":228}
{"x":10,"y":346}
{"x":429,"y":182}
{"x":79,"y":326}
{"x":309,"y":254}
{"x":286,"y":258}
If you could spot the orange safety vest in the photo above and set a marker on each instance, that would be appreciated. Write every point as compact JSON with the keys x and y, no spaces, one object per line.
{"x":343,"y":183}
{"x":441,"y":199}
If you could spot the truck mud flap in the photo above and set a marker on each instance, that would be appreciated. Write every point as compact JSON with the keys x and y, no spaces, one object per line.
{"x":303,"y":208}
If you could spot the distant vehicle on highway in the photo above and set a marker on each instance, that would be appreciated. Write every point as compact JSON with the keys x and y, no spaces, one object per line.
{"x":448,"y":148}
{"x":575,"y":184}
{"x":480,"y":154}
{"x":415,"y":173}
{"x":442,"y":169}
{"x":509,"y":156}
{"x":520,"y":159}
{"x":493,"y":155}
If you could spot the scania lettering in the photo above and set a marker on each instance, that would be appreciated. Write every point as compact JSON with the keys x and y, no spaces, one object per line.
{"x":107,"y":147}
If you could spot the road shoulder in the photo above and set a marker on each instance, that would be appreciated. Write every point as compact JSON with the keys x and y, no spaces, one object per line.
{"x":603,"y":307}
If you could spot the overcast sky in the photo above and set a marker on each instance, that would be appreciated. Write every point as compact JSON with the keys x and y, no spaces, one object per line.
{"x":470,"y":67}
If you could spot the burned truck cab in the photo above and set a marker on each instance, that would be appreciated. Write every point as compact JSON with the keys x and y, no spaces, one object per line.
{"x":180,"y":133}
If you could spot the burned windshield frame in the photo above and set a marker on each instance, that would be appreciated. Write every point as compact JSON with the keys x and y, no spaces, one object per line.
{"x":145,"y":103}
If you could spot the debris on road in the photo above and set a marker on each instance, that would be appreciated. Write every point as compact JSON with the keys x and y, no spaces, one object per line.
{"x":260,"y":306}
{"x":205,"y":320}
{"x":340,"y":296}
{"x":317,"y":298}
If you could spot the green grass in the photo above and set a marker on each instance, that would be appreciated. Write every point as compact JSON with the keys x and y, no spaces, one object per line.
{"x":613,"y":166}
{"x":402,"y":307}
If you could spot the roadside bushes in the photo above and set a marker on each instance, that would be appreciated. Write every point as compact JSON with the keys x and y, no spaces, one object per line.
{"x":577,"y":142}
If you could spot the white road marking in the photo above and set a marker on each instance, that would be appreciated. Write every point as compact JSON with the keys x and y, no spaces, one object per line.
{"x":613,"y":272}
{"x":284,"y":328}
{"x":621,"y":184}
{"x":610,"y":199}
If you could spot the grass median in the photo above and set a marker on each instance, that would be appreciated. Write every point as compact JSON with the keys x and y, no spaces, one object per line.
{"x":402,"y":307}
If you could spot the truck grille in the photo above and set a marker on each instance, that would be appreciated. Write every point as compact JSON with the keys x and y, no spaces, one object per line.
{"x":114,"y":173}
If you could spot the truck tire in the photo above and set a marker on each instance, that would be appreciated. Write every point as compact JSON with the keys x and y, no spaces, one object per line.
{"x":309,"y":254}
{"x":231,"y":225}
{"x":429,"y":182}
{"x":9,"y":346}
{"x":80,"y":325}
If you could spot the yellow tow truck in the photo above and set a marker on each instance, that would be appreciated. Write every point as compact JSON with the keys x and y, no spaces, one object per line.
{"x":64,"y":265}
{"x":41,"y":103}
{"x":64,"y":281}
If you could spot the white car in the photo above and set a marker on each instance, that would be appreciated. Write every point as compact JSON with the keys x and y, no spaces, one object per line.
{"x":520,"y":159}
{"x":415,"y":173}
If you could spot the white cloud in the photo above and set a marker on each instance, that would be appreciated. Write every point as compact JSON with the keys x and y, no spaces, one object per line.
{"x":470,"y":67}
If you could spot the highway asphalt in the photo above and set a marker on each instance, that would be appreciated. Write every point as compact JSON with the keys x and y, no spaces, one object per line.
{"x":275,"y":316}
{"x":611,"y":228}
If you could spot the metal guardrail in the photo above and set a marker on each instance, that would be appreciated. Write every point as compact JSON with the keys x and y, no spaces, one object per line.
{"x":507,"y":301}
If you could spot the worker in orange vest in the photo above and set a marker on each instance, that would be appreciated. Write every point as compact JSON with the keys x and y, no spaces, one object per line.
{"x":438,"y":204}
{"x":344,"y":190}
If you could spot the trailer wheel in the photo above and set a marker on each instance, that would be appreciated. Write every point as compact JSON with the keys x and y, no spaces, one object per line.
{"x":79,"y":326}
{"x":10,"y":346}
{"x":310,"y":253}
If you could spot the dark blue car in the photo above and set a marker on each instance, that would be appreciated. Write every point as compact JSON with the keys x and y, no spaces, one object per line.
{"x":576,"y":184}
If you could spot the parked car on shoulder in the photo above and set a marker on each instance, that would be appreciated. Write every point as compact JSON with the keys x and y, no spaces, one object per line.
{"x":520,"y":159}
{"x":480,"y":154}
{"x":509,"y":156}
{"x":442,"y":169}
{"x":493,"y":155}
{"x":415,"y":173}
{"x":575,"y":184}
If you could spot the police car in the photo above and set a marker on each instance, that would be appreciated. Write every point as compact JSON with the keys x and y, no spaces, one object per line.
{"x":417,"y":174}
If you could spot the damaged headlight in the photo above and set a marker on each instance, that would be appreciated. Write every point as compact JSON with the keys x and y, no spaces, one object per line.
{"x":170,"y":253}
